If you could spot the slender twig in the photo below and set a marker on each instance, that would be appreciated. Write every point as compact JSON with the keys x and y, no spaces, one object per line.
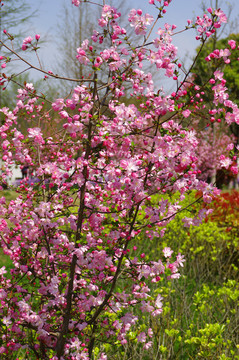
{"x":43,"y":71}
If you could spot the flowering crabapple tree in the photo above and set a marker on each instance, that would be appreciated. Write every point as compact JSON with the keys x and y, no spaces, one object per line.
{"x":215,"y":140}
{"x":213,"y":145}
{"x":104,"y":172}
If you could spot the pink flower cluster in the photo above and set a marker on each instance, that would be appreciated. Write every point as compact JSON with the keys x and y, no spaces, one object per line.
{"x":28,"y":41}
{"x":139,"y":22}
{"x":206,"y":25}
{"x":108,"y":13}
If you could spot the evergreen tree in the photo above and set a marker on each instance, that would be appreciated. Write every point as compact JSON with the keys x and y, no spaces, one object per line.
{"x":13,"y":13}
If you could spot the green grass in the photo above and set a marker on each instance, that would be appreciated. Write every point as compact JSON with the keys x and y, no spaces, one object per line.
{"x":9,"y":194}
{"x":4,"y":259}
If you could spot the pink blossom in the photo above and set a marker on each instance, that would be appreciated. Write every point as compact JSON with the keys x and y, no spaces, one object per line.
{"x":186,"y":113}
{"x":58,"y":105}
{"x":230,"y":146}
{"x":148,"y":345}
{"x":225,"y":162}
{"x":234,"y":169}
{"x":221,"y":15}
{"x":232,"y":44}
{"x":180,"y":259}
{"x":158,"y":302}
{"x":103,"y":356}
{"x":141,"y":337}
{"x":102,"y":22}
{"x":3,"y":294}
{"x":76,"y":2}
{"x":26,"y":41}
{"x":36,"y":134}
{"x":167,"y":252}
{"x":82,"y":57}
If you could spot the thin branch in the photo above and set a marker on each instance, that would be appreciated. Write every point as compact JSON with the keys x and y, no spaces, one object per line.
{"x":43,"y":71}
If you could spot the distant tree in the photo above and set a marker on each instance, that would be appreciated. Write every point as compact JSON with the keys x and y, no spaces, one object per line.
{"x":80,"y":27}
{"x":12,"y":14}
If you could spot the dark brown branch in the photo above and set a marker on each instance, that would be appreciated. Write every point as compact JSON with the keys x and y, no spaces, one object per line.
{"x":66,"y":318}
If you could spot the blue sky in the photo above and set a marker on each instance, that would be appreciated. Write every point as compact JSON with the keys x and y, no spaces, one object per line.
{"x":49,"y":13}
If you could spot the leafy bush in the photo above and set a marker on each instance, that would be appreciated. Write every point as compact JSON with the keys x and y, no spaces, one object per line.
{"x":200,"y":314}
